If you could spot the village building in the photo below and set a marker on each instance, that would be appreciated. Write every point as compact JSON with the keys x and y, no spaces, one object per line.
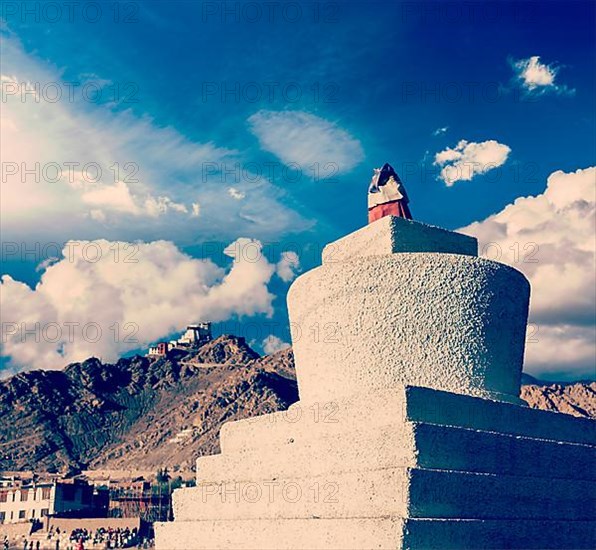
{"x":160,"y":349}
{"x":138,"y":498}
{"x":27,"y":500}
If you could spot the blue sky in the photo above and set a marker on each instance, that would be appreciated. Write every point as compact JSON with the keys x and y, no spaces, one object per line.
{"x":356,"y":85}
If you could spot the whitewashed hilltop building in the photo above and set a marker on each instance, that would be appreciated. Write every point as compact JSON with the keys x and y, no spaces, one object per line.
{"x":409,"y":432}
{"x":194,"y":337}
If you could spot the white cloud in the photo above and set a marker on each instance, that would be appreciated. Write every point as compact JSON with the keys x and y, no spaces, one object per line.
{"x":551,"y":239}
{"x":150,"y":174}
{"x":273,"y":344}
{"x":440,"y":131}
{"x":305,"y":139}
{"x":116,"y":197}
{"x":97,"y":214}
{"x":469,"y":159}
{"x":141,"y":291}
{"x":288,"y":266}
{"x":561,"y":352}
{"x":537,"y":77}
{"x":236,"y":194}
{"x":535,"y":74}
{"x":161,"y":205}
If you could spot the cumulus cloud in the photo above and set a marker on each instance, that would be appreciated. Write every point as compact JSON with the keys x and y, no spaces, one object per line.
{"x":536,"y":77}
{"x":288,"y":266}
{"x":551,"y":239}
{"x":305,"y":139}
{"x":105,"y":298}
{"x":469,"y":159}
{"x":273,"y":344}
{"x":440,"y":131}
{"x":141,"y":181}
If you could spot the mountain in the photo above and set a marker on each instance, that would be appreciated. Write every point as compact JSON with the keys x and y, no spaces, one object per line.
{"x":578,"y":399}
{"x":140,"y":412}
{"x":146,"y":413}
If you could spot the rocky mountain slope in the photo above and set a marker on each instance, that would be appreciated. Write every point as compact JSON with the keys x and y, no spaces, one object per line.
{"x":145,"y":414}
{"x":139,"y":413}
{"x":578,"y":399}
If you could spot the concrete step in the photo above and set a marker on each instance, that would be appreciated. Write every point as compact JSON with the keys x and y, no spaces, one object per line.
{"x":513,"y":534}
{"x":474,"y":450}
{"x":398,"y":492}
{"x":387,"y":533}
{"x":373,"y":449}
{"x":405,"y":444}
{"x":306,"y":421}
{"x":447,"y":494}
{"x":351,"y":494}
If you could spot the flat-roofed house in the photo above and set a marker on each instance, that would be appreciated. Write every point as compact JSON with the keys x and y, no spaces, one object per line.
{"x":22,"y":501}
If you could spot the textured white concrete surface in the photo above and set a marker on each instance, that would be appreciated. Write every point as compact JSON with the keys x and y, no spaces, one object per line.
{"x":396,"y":405}
{"x":360,"y":473}
{"x":442,"y":321}
{"x":392,"y":234}
{"x":467,"y":495}
{"x":376,"y":533}
{"x":409,"y":432}
{"x":399,"y":492}
{"x":404,"y":444}
{"x":371,"y":493}
{"x":432,"y":534}
{"x":282,"y":534}
{"x":400,"y":469}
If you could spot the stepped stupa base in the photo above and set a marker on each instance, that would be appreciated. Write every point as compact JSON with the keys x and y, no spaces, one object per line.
{"x":409,"y":432}
{"x":432,"y":470}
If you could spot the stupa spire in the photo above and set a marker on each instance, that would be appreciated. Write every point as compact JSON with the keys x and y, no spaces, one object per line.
{"x":387,"y":195}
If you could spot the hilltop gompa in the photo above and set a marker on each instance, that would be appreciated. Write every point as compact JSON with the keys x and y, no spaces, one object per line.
{"x":409,"y":432}
{"x":195,"y":336}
